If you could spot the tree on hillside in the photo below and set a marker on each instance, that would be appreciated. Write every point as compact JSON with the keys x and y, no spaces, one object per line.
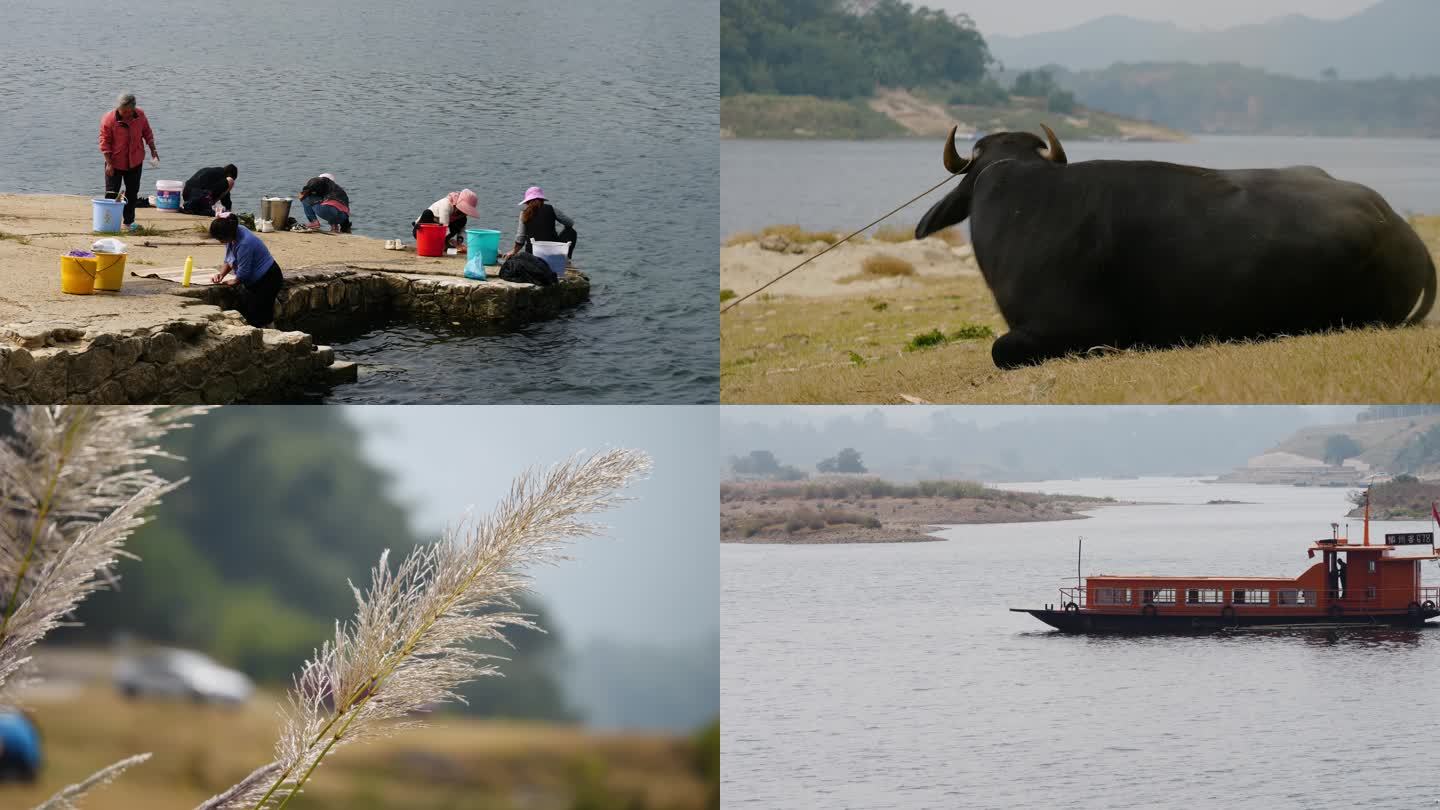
{"x":1420,"y":453}
{"x":846,"y":461}
{"x":1340,"y":447}
{"x":836,"y":49}
{"x":759,"y":462}
{"x":1034,"y":84}
{"x":762,"y":464}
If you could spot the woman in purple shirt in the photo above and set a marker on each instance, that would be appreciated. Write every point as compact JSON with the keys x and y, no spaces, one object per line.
{"x":254,"y":269}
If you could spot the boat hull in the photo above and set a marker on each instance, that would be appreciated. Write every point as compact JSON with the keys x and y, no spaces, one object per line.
{"x":1081,"y":621}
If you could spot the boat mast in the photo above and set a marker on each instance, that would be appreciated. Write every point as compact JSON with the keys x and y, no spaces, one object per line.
{"x":1079,"y":547}
{"x":1367,"y":515}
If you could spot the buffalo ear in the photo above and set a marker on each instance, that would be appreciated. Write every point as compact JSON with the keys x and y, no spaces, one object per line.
{"x":952,"y":210}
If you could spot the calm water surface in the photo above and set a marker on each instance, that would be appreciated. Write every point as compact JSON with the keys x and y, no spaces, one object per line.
{"x":893,"y":676}
{"x":845,"y":184}
{"x":611,"y":107}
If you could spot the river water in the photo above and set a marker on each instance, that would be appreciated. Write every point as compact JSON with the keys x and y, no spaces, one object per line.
{"x":845,"y":184}
{"x":893,"y":676}
{"x":611,"y":107}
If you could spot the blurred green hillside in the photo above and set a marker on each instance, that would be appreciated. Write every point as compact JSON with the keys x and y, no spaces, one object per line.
{"x":250,"y":561}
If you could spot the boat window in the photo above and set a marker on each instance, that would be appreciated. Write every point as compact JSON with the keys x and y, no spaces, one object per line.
{"x":1204,"y":596}
{"x":1372,"y":566}
{"x":1370,"y":591}
{"x":1254,"y":597}
{"x":1158,"y":596}
{"x":1293,"y":598}
{"x":1112,"y":596}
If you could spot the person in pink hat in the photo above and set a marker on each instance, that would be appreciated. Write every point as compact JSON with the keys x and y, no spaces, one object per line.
{"x":453,"y":211}
{"x":538,"y":219}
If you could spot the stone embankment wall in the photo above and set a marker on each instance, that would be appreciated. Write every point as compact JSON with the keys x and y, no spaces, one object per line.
{"x":206,"y":356}
{"x":209,"y":354}
{"x":329,"y":297}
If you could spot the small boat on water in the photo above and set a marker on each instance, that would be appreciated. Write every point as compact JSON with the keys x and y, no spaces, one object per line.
{"x":1352,"y":584}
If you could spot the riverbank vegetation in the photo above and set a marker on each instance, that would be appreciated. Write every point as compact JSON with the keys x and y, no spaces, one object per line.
{"x":861,"y":509}
{"x":1404,"y":497}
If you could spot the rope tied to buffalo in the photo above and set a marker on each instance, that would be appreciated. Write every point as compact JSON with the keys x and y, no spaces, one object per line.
{"x":852,"y":235}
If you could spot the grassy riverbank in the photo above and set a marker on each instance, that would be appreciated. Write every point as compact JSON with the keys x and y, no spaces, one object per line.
{"x":814,"y":339}
{"x":870,"y":510}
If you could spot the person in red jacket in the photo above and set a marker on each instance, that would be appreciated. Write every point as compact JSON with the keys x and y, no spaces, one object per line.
{"x":124,"y":134}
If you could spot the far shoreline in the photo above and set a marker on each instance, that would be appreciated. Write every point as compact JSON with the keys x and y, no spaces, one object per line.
{"x":842,"y":511}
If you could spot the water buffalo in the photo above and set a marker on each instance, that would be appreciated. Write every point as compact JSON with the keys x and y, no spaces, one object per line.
{"x":1141,"y":253}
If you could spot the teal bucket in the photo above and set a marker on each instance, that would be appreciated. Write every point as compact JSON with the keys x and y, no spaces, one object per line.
{"x":485,"y":243}
{"x":108,"y":214}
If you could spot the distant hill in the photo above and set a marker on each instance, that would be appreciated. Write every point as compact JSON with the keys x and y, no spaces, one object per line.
{"x":1395,"y":37}
{"x":1408,"y":443}
{"x":1231,"y":99}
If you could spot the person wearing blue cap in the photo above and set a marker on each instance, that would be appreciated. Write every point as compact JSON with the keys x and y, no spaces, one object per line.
{"x":19,"y":746}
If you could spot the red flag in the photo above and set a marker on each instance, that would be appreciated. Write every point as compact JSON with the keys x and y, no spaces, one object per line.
{"x":1435,"y":512}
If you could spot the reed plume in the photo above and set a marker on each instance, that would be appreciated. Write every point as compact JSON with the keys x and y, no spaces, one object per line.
{"x":409,"y":645}
{"x":73,"y":487}
{"x":67,"y":797}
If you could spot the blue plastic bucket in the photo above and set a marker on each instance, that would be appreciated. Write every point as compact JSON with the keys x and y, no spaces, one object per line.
{"x":108,"y":215}
{"x":483,"y":242}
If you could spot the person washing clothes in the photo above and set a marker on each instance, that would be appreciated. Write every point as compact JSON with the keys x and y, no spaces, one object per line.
{"x":323,"y":198}
{"x":452,"y":211}
{"x":124,"y":134}
{"x":537,"y":221}
{"x":254,"y":270}
{"x":207,"y":187}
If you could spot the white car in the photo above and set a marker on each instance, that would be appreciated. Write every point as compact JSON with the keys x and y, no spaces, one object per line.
{"x":180,"y":674}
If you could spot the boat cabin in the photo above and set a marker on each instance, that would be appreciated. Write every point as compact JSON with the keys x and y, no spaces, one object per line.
{"x":1349,"y":579}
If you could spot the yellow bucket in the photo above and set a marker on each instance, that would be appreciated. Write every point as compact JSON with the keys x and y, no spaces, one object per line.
{"x":77,"y":275}
{"x":109,"y":271}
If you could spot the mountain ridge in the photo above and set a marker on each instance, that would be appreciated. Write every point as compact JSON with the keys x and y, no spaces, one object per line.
{"x":1391,"y":37}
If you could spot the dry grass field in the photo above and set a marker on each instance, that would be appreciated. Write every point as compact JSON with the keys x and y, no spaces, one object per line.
{"x":824,"y":347}
{"x":456,"y":764}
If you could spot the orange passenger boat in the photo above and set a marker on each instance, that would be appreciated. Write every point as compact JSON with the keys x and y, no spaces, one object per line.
{"x":1352,"y":584}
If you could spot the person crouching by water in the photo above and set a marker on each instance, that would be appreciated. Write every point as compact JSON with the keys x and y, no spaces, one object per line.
{"x":124,"y":134}
{"x":254,"y":270}
{"x":208,"y":187}
{"x":537,"y":221}
{"x":323,"y":198}
{"x":452,"y":211}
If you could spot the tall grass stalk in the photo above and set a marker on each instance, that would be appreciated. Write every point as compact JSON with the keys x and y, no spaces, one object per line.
{"x":410,"y":644}
{"x":66,"y":797}
{"x":73,"y":487}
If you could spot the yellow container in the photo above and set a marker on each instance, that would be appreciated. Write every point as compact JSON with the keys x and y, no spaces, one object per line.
{"x":77,"y":275}
{"x":109,"y":271}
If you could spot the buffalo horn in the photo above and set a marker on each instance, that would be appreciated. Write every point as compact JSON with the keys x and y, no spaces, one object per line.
{"x":953,"y":162}
{"x":1055,"y":153}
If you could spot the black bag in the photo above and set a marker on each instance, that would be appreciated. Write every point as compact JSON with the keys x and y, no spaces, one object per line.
{"x":527,"y":269}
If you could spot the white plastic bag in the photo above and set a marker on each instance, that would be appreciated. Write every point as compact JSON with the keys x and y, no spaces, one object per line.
{"x":108,"y":245}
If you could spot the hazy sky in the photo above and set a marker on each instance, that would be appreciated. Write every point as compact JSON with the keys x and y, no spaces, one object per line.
{"x":1012,"y":18}
{"x":653,"y":579}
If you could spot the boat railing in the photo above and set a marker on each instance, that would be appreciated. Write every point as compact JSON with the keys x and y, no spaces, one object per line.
{"x":1113,"y":598}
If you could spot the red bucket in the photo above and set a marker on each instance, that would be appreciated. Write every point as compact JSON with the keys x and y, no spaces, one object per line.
{"x":430,"y":241}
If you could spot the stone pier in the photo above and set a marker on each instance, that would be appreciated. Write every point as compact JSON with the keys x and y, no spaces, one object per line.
{"x":159,"y":342}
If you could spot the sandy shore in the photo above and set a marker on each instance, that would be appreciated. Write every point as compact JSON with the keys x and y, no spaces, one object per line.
{"x":840,"y":273}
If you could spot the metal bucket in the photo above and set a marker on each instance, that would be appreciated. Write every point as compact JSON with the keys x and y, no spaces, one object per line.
{"x":276,"y":209}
